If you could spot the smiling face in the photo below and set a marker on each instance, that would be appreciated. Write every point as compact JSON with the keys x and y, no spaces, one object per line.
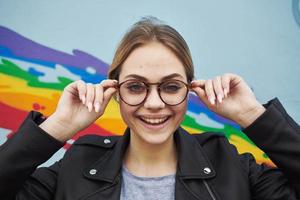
{"x":153,"y":121}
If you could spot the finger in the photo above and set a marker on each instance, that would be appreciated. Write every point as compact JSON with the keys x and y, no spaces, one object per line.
{"x":225,"y":79}
{"x":109,"y":83}
{"x":201,"y":94}
{"x":231,"y":80}
{"x":103,"y":87}
{"x":210,"y":91}
{"x":90,"y":94}
{"x":234,"y":80}
{"x":218,"y":89}
{"x":108,"y":93}
{"x":81,"y":88}
{"x":98,"y":97}
{"x":198,"y":87}
{"x":198,"y":83}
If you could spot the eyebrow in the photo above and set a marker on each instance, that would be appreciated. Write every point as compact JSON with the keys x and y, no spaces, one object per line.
{"x":174,"y":75}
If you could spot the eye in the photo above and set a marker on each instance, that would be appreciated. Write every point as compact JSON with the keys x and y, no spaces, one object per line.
{"x":135,"y":87}
{"x":171,"y":87}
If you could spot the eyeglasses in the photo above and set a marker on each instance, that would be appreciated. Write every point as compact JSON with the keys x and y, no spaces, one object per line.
{"x":134,"y":92}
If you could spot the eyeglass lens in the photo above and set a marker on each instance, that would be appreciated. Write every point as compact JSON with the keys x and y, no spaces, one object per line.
{"x":134,"y":92}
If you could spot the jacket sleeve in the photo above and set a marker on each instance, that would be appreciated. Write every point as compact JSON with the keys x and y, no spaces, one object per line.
{"x":278,"y":135}
{"x":20,"y":155}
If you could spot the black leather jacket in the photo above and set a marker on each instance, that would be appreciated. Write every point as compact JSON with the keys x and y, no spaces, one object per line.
{"x":208,"y":166}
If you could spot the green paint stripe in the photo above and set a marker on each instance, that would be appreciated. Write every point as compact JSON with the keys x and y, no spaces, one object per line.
{"x":9,"y":68}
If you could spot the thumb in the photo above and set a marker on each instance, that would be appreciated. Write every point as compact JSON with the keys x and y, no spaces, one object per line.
{"x":108,"y":93}
{"x":198,"y":86}
{"x":200,"y":93}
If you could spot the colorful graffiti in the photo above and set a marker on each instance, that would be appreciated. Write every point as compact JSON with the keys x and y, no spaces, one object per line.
{"x":32,"y":77}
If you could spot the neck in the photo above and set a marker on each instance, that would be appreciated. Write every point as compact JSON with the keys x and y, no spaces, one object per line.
{"x":144,"y":159}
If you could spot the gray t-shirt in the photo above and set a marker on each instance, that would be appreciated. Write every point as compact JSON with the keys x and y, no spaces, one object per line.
{"x":147,"y":188}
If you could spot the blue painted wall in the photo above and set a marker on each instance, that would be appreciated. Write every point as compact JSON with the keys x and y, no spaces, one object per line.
{"x":258,"y":39}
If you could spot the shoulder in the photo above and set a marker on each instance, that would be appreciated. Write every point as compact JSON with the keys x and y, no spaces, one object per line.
{"x":204,"y":137}
{"x":97,"y":141}
{"x":218,"y":149}
{"x":216,"y":140}
{"x":208,"y":136}
{"x":91,"y":146}
{"x":207,"y":140}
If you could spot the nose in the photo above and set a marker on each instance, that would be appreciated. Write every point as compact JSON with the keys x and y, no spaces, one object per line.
{"x":153,"y":100}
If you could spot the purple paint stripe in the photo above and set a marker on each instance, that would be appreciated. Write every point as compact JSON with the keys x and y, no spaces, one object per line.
{"x":24,"y":47}
{"x":195,"y":100}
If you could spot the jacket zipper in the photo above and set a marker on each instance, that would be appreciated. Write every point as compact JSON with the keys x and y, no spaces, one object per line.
{"x":209,"y":190}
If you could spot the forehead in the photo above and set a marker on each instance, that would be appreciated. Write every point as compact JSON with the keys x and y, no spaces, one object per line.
{"x":152,"y":61}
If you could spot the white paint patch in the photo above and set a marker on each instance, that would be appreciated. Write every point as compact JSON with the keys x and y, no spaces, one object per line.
{"x":204,"y":120}
{"x":91,"y":70}
{"x":56,"y":157}
{"x":3,"y":134}
{"x":70,"y":141}
{"x":50,"y":74}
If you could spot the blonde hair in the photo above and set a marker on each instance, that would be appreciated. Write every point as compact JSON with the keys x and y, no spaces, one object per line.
{"x":147,"y":30}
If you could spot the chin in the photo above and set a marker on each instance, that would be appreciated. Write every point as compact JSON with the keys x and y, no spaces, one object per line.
{"x":157,"y":138}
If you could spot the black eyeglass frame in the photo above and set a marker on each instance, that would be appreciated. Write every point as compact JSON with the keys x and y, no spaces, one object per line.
{"x":188,"y":86}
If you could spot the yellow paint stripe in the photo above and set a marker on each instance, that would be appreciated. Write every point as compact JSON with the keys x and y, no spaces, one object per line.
{"x":243,"y":147}
{"x":10,"y":84}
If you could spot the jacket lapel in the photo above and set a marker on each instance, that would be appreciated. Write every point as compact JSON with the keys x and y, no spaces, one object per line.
{"x":194,"y":169}
{"x":193,"y":172}
{"x":107,"y":170}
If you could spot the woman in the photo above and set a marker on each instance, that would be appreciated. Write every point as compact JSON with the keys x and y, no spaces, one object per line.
{"x":151,"y":75}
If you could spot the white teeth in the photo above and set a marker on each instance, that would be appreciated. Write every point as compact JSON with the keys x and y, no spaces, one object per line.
{"x":154,"y":121}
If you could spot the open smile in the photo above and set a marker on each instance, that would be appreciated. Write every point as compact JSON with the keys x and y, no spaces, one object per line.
{"x":154,"y":122}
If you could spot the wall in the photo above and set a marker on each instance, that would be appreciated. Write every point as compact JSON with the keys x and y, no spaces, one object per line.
{"x":47,"y":44}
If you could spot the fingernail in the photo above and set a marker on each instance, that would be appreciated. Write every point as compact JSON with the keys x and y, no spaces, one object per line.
{"x":90,"y":106}
{"x":83,"y":99}
{"x":212,"y":100}
{"x":220,"y":98}
{"x":225,"y":93}
{"x":97,"y":107}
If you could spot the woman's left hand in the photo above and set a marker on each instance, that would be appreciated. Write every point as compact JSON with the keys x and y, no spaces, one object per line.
{"x":229,"y":96}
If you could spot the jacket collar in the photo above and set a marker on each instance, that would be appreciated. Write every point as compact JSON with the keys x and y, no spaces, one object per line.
{"x":192,"y":163}
{"x":108,"y":167}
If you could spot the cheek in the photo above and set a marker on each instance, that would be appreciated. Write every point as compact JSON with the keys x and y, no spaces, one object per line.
{"x":127,"y":112}
{"x":180,"y":111}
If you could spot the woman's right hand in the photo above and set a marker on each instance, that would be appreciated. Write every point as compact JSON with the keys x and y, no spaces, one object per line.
{"x":79,"y":106}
